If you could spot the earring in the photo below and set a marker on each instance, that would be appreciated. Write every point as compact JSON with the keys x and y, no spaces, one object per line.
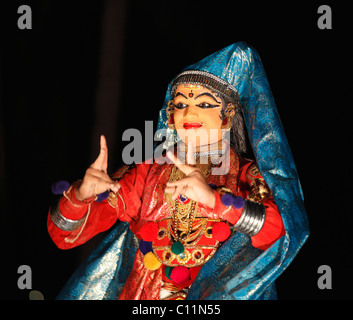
{"x":170,"y":113}
{"x":229,"y":113}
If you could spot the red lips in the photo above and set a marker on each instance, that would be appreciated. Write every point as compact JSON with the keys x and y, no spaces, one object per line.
{"x":191,"y":125}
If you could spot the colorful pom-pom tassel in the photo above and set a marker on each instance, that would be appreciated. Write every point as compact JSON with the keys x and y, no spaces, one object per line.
{"x":145,"y":246}
{"x":151,"y":262}
{"x":177,"y":247}
{"x":102,"y":196}
{"x":238,"y":202}
{"x":227,"y":199}
{"x":221,"y":231}
{"x":168,"y":271}
{"x":59,"y":187}
{"x":180,"y":275}
{"x":149,"y":231}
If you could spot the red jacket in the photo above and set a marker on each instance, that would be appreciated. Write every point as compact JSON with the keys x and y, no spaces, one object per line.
{"x":141,"y":200}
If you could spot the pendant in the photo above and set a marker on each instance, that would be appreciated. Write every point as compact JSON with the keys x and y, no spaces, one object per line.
{"x":183,"y":199}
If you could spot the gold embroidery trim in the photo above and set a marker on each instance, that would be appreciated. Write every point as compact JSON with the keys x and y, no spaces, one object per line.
{"x":208,"y":235}
{"x":181,"y":295}
{"x":168,"y":256}
{"x":71,"y":240}
{"x":113,"y":199}
{"x":259,"y":190}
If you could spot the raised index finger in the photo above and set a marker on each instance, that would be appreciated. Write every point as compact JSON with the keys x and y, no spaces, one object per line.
{"x":101,"y":163}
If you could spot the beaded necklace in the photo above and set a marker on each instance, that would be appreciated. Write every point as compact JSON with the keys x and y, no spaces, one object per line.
{"x":183,"y":219}
{"x":183,"y":211}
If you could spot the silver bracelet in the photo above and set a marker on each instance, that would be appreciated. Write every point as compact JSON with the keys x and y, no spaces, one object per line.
{"x":64,"y":223}
{"x":252,"y":218}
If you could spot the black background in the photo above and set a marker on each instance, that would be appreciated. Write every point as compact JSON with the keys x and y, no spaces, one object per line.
{"x":50,"y":77}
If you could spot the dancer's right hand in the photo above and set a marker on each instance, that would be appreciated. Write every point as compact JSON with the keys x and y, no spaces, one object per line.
{"x":96,"y":179}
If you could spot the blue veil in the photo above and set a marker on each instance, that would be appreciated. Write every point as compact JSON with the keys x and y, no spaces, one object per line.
{"x":237,"y":270}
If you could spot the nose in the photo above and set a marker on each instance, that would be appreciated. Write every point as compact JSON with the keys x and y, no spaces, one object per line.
{"x":190,"y":112}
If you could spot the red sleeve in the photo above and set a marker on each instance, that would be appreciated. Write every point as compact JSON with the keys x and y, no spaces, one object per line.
{"x":100,"y":216}
{"x":273,"y":227}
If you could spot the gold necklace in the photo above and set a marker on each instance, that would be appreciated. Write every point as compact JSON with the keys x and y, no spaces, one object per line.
{"x":183,"y":212}
{"x":183,"y":219}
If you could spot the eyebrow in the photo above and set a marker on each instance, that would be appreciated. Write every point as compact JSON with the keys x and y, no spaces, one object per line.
{"x":181,"y":94}
{"x":207,"y":94}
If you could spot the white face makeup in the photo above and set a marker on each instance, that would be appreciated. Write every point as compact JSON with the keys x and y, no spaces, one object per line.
{"x":197,"y":115}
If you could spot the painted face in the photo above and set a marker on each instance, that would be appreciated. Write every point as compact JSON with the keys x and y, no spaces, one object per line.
{"x":197,"y":115}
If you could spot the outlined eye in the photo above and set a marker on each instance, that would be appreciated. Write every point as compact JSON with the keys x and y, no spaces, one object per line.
{"x":180,"y":105}
{"x":205,"y":105}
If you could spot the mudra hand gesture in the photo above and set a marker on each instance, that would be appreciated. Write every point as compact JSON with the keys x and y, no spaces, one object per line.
{"x":96,"y":179}
{"x":193,"y":186}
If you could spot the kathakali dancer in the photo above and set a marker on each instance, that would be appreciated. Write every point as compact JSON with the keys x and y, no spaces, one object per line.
{"x":221,"y":219}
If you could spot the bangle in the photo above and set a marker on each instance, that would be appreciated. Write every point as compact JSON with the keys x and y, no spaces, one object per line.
{"x":63,"y":223}
{"x":252,"y":218}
